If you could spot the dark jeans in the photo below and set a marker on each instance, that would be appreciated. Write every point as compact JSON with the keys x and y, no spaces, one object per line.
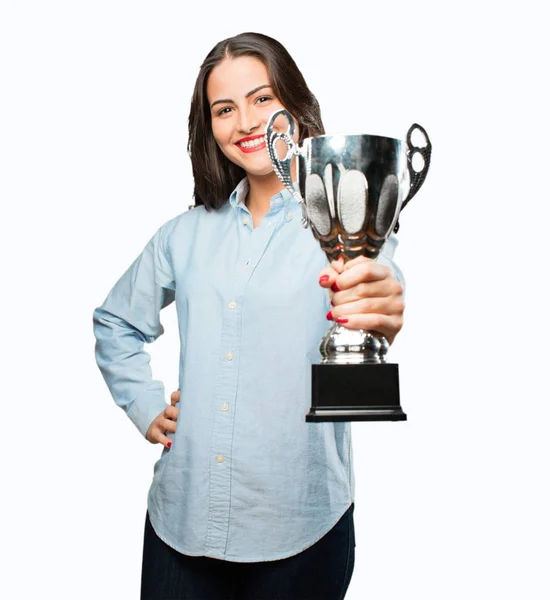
{"x":321,"y":572}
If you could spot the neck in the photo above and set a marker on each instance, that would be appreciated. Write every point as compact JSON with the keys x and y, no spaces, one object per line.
{"x":261,"y":189}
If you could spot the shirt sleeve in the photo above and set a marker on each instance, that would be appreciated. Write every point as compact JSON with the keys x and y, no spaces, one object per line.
{"x":386,"y":258}
{"x":128,"y":318}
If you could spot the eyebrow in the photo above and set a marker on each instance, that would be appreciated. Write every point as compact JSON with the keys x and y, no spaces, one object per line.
{"x":250,"y":93}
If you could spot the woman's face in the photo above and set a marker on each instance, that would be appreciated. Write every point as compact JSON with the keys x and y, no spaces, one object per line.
{"x":241,"y":102}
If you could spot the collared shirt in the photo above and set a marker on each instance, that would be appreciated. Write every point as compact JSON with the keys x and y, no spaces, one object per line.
{"x":247,"y":478}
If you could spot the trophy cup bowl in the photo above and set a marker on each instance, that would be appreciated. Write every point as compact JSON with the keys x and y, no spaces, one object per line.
{"x":352,"y":189}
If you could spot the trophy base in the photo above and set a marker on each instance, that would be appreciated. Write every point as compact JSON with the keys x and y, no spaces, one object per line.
{"x":361,"y":392}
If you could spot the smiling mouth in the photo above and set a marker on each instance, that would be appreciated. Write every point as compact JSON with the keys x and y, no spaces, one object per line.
{"x":252,"y":145}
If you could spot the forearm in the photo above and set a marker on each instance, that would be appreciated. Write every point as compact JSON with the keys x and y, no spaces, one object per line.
{"x":125,"y":366}
{"x":386,"y":258}
{"x":128,"y":318}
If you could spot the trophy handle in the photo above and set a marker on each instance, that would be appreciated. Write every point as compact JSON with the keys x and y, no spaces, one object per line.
{"x":282,"y":167}
{"x":417,"y":177}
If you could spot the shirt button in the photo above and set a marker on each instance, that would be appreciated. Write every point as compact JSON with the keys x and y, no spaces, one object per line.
{"x":225,"y":406}
{"x":229,"y":356}
{"x":232,"y":305}
{"x":220,"y":458}
{"x":247,"y":263}
{"x":290,"y":214}
{"x":245,"y":220}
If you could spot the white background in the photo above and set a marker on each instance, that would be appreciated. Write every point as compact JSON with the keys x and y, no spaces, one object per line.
{"x":93,"y":131}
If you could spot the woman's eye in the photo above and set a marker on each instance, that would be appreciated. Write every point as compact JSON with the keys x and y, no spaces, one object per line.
{"x":263,"y":99}
{"x":224,"y":111}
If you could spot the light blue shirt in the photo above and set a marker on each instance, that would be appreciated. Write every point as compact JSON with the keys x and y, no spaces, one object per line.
{"x":246,"y":478}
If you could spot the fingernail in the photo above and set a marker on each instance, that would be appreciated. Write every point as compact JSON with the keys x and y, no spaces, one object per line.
{"x":334,"y":287}
{"x":323,"y":278}
{"x":332,"y":303}
{"x":169,"y":444}
{"x":329,"y":316}
{"x":341,"y":320}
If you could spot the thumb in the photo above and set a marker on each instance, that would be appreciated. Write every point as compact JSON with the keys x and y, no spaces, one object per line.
{"x":165,"y":441}
{"x":327,"y":277}
{"x":338,"y":265}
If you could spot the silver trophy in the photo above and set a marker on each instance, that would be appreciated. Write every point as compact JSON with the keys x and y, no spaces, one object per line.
{"x":352,"y":189}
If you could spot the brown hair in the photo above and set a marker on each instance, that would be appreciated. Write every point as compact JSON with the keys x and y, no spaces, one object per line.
{"x":214,"y":174}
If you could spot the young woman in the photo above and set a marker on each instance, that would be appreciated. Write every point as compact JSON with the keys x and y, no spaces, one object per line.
{"x":248,"y":501}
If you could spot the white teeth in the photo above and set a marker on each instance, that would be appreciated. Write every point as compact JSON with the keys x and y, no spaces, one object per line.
{"x":252,"y":143}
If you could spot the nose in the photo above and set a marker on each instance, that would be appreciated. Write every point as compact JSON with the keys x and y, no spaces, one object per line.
{"x":248,"y":120}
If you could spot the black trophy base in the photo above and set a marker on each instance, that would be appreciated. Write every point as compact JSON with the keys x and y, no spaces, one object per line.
{"x":355,"y":393}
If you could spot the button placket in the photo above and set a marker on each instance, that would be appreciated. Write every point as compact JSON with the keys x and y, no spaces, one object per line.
{"x":221,"y":444}
{"x":253,"y":243}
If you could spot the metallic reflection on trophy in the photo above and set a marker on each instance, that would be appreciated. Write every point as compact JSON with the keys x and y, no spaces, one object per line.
{"x":352,"y":189}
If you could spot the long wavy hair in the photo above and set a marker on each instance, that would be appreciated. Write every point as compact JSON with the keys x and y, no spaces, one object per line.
{"x":215,"y":176}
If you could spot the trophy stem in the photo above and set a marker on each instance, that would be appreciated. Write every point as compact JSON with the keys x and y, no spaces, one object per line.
{"x":342,"y":346}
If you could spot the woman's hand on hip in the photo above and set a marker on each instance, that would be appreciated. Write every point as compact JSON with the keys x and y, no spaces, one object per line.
{"x":164,"y":422}
{"x":364,"y":295}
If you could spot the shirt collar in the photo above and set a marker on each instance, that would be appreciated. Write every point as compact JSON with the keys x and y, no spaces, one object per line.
{"x":280,"y":200}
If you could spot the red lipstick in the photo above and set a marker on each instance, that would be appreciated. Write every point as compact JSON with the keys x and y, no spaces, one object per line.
{"x":250,"y":138}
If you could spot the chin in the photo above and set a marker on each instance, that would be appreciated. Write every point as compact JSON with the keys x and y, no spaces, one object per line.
{"x":262,"y":168}
{"x":262,"y":172}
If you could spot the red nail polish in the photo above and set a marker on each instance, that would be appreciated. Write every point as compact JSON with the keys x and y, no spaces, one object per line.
{"x":323,"y":278}
{"x":341,"y":320}
{"x":332,"y":303}
{"x":334,"y":287}
{"x":329,"y":316}
{"x":169,"y":444}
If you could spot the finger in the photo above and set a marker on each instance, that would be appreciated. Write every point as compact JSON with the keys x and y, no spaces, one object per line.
{"x":384,"y":306}
{"x":169,"y":425}
{"x":327,"y":277}
{"x":355,"y":261}
{"x":338,"y":265}
{"x":361,"y":272}
{"x":371,"y":289}
{"x":157,"y":437}
{"x":174,"y":397}
{"x":388,"y":325}
{"x":171,"y":412}
{"x":164,"y":440}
